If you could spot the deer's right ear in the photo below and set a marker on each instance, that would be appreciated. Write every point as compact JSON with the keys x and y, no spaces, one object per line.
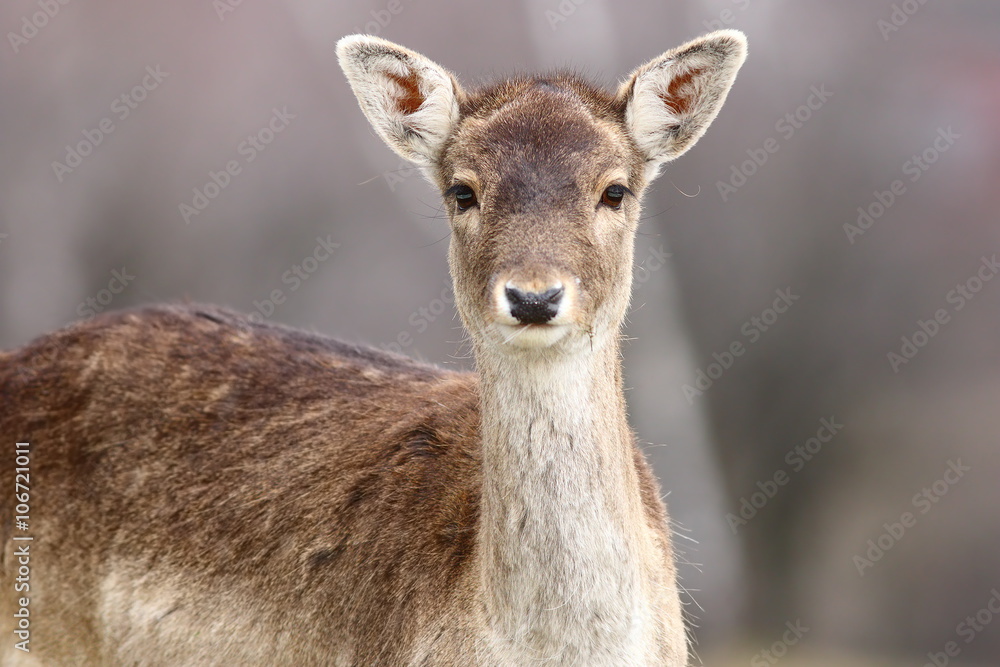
{"x":411,"y":101}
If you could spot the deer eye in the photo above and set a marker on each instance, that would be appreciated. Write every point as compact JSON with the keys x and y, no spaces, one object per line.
{"x":613,"y":196}
{"x":465,"y":197}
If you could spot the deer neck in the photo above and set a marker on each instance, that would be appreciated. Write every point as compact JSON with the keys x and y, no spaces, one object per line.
{"x":564,"y":545}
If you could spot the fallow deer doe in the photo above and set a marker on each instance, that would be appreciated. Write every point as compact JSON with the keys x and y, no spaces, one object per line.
{"x":210,"y":491}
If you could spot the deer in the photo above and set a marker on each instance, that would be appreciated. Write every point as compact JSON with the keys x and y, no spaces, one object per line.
{"x":210,"y":489}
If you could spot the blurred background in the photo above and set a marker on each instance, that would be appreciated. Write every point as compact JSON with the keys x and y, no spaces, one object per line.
{"x":834,"y":487}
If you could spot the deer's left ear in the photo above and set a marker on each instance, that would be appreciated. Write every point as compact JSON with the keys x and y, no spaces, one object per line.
{"x":671,"y":100}
{"x":411,"y":101}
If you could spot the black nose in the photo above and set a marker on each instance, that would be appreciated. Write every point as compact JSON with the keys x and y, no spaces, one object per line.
{"x":532,"y":307}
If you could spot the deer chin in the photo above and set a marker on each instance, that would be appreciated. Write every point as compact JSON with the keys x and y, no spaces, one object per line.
{"x":531,"y":336}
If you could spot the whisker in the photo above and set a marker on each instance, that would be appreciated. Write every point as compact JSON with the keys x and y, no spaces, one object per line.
{"x":684,"y":193}
{"x":517,"y":333}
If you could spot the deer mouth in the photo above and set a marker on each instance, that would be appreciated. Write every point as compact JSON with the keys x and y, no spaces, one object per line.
{"x":531,"y":336}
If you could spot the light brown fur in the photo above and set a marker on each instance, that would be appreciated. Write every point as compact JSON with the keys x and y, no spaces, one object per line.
{"x":206,"y":490}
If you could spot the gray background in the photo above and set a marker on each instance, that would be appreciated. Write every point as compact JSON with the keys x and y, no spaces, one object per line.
{"x":327,"y":176}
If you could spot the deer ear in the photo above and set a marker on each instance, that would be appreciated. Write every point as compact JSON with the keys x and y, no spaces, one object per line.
{"x":410,"y":101}
{"x":670,"y":101}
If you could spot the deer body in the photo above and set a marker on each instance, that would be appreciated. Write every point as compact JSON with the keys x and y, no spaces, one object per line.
{"x":212,"y":491}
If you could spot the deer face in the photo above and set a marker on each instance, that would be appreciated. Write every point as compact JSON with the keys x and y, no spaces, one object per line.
{"x":542,"y":197}
{"x":541,"y":178}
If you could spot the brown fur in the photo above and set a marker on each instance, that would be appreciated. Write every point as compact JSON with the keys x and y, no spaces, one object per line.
{"x":283,"y":465}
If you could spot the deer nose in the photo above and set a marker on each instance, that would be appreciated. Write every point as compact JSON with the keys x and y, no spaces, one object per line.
{"x":533,"y":307}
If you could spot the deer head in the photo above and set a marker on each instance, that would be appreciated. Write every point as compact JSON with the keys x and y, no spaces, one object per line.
{"x":542,"y":178}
